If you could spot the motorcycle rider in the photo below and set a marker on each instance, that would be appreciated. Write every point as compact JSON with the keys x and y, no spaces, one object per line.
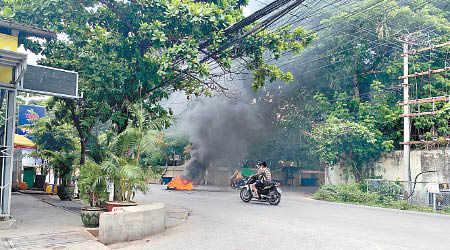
{"x":236,"y":175}
{"x":236,"y":178}
{"x":264,"y":176}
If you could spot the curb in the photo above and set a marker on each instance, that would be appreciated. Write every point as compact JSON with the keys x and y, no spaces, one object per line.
{"x":383,"y":208}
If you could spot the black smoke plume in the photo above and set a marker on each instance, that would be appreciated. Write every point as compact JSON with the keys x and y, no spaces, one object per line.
{"x":221,"y":131}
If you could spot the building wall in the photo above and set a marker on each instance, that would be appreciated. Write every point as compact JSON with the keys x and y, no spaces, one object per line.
{"x":336,"y":175}
{"x":390,"y":167}
{"x":219,"y":176}
{"x":174,"y":171}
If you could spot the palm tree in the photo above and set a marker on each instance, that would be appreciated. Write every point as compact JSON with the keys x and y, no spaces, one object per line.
{"x":125,"y":150}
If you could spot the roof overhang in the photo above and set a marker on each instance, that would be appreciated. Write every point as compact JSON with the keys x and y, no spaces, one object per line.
{"x":27,"y":30}
{"x":15,"y":60}
{"x":11,"y":59}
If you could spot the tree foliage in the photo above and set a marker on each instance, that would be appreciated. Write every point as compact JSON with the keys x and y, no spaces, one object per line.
{"x":342,"y":107}
{"x":141,"y":51}
{"x":121,"y":160}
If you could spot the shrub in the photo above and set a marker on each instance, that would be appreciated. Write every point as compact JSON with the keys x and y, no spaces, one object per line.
{"x":402,"y":205}
{"x":445,"y":209}
{"x":350,"y":193}
{"x":92,"y":184}
{"x":346,"y":193}
{"x":327,"y":192}
{"x":386,"y":196}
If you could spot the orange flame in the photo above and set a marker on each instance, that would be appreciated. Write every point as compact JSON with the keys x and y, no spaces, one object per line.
{"x":178,"y":183}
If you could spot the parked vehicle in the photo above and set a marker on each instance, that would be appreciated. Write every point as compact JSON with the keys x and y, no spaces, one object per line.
{"x":238,"y":182}
{"x":271,"y":192}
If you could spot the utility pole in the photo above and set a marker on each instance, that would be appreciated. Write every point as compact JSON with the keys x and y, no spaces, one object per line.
{"x":406,"y":40}
{"x":406,"y":118}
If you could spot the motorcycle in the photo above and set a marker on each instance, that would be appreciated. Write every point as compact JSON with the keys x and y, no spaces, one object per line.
{"x":238,"y":182}
{"x":271,"y":192}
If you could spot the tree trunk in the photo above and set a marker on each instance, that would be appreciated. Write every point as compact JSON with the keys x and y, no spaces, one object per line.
{"x":83,"y":143}
{"x":116,"y":191}
{"x":84,"y":135}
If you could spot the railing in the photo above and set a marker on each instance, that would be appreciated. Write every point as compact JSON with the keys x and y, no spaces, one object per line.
{"x":417,"y":193}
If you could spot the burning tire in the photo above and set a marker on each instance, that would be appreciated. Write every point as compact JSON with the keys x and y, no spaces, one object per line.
{"x":246,"y":195}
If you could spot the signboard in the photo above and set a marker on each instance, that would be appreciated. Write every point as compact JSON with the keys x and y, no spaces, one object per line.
{"x":433,"y":188}
{"x":28,"y":115}
{"x":7,"y":42}
{"x":50,"y":81}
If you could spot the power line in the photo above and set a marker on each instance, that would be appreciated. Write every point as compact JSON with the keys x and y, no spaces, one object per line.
{"x":380,"y":44}
{"x":237,"y":27}
{"x":421,"y":5}
{"x":345,"y":3}
{"x":286,"y":20}
{"x":351,"y":24}
{"x":387,"y":44}
{"x":355,"y":13}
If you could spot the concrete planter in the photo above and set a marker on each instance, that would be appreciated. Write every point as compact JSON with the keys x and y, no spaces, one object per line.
{"x":90,"y":216}
{"x":112,"y":204}
{"x":132,"y":223}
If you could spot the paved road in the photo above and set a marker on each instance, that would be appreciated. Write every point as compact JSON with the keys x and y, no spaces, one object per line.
{"x":220,"y":220}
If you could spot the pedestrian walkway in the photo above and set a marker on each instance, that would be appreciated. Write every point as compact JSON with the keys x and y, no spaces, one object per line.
{"x":49,"y":240}
{"x":73,"y":206}
{"x":46,"y":222}
{"x":40,"y":225}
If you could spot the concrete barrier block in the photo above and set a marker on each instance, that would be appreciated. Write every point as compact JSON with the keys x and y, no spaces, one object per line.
{"x":132,"y":223}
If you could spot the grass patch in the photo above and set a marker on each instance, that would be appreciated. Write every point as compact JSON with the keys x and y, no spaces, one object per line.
{"x":356,"y":193}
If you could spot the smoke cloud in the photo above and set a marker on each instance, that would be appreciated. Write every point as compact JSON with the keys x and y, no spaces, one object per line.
{"x":221,"y":131}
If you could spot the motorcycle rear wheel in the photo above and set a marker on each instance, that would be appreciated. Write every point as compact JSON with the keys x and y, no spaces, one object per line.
{"x":275,"y":198}
{"x":246,"y":195}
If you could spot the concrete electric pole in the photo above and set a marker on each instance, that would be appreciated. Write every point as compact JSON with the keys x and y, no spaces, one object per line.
{"x":406,"y":118}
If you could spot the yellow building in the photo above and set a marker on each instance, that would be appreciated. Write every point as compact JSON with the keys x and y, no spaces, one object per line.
{"x":12,"y":69}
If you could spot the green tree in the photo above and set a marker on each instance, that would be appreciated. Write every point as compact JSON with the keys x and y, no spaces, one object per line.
{"x":57,"y":144}
{"x":140,"y":51}
{"x":51,"y":136}
{"x":163,"y":151}
{"x":346,"y":83}
{"x":122,"y":161}
{"x":92,"y":184}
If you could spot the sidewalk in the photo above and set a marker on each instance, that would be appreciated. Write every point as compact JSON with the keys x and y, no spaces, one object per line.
{"x":73,"y":206}
{"x":43,"y":226}
{"x":46,"y":222}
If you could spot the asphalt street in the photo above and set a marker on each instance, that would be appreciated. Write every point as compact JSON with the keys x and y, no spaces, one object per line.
{"x":220,"y":220}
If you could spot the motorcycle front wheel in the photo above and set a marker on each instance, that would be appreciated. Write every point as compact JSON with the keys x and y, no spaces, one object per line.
{"x":275,"y":198}
{"x":246,"y":195}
